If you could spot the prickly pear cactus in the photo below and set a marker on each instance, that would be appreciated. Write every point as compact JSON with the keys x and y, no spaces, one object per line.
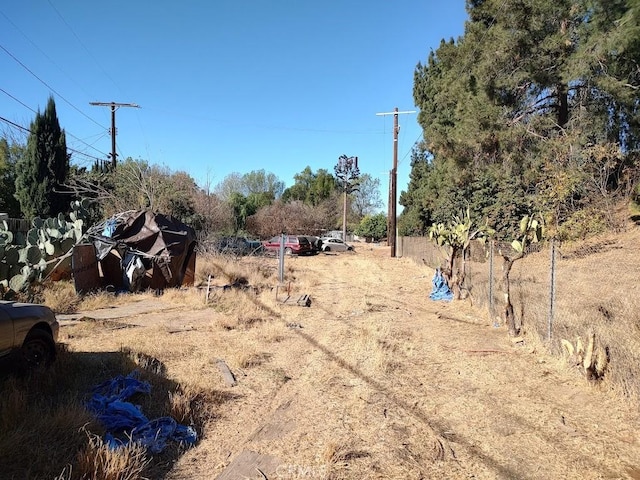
{"x":27,"y":258}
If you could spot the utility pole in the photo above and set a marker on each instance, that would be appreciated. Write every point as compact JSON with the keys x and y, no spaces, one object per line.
{"x":114,"y":106}
{"x":393,"y":181}
{"x":348,"y":175}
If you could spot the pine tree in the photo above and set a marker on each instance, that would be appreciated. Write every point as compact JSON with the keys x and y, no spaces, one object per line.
{"x":535,"y":106}
{"x":42,"y":172}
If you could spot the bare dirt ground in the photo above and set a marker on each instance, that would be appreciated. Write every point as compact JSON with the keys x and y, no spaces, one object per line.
{"x":374,"y":380}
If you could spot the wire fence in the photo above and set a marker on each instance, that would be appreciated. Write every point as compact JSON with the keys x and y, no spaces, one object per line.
{"x":561,"y":295}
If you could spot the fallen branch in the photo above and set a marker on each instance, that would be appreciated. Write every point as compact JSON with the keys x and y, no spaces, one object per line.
{"x":477,"y":351}
{"x":188,"y":328}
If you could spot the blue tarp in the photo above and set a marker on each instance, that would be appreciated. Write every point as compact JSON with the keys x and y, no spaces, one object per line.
{"x":125,"y":421}
{"x":440,"y":288}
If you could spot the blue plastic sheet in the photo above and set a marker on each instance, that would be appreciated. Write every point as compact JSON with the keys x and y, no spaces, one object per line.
{"x":440,"y":289}
{"x":110,"y":227}
{"x":125,"y":422}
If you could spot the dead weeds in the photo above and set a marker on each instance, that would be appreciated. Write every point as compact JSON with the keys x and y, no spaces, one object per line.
{"x":370,"y":381}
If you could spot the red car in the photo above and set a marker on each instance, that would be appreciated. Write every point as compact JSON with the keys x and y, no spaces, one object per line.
{"x":293,"y":244}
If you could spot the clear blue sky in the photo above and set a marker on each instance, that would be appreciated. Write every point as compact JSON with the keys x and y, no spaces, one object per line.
{"x":226,"y":85}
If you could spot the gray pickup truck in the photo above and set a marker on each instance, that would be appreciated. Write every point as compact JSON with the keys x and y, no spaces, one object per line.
{"x":30,"y":330}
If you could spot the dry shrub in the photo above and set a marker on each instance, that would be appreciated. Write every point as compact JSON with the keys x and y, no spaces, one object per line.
{"x":60,"y":296}
{"x":226,"y":323}
{"x":35,"y":436}
{"x":193,"y":405}
{"x":147,"y":362}
{"x":253,"y":271}
{"x":185,"y":297}
{"x":239,"y":304}
{"x":98,"y":300}
{"x":338,"y":456}
{"x":249,"y":322}
{"x":248,"y":360}
{"x":13,"y":404}
{"x":374,"y":348}
{"x":279,"y":376}
{"x":272,"y":332}
{"x":208,"y":265}
{"x":99,"y":461}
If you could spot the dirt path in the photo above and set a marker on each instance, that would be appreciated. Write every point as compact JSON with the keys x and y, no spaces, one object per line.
{"x":374,"y":380}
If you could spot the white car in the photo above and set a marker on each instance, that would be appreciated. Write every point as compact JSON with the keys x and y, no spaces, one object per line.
{"x":29,"y":329}
{"x":335,"y":245}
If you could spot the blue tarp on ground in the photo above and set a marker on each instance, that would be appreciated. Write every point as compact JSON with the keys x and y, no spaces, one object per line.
{"x":440,"y":288}
{"x":125,"y":422}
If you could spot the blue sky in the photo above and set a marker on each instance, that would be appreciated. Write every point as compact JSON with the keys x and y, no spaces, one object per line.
{"x":226,"y":85}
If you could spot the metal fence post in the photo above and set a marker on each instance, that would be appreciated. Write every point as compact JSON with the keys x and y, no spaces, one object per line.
{"x":281,"y":259}
{"x":491,"y":306}
{"x":552,"y":289}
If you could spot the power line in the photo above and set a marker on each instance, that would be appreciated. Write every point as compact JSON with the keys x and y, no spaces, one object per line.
{"x":106,"y":74}
{"x":49,"y":86}
{"x":14,"y":98}
{"x":43,"y":53}
{"x":66,"y":133}
{"x":411,"y":149}
{"x":25,"y":129}
{"x":226,"y":123}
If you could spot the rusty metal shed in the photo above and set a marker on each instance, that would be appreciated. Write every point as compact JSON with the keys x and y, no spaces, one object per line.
{"x":136,"y":250}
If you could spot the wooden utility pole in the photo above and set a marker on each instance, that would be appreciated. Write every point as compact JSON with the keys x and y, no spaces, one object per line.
{"x":114,"y":106}
{"x":393,"y":182}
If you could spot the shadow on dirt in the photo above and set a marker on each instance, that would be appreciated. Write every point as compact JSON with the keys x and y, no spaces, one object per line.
{"x":45,"y":408}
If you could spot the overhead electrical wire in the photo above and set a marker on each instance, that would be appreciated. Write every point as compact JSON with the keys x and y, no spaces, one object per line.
{"x":67,"y":133}
{"x":49,"y":86}
{"x":106,"y":74}
{"x":44,"y":53}
{"x":25,"y":129}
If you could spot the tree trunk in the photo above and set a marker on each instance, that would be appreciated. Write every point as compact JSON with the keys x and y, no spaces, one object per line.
{"x":509,"y":317}
{"x":563,"y":105}
{"x":451,"y":276}
{"x":462,"y":272}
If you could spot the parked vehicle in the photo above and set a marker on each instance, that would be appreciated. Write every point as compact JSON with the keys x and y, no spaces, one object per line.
{"x":316,"y":243}
{"x":29,"y":330}
{"x":293,"y":245}
{"x":237,"y":246}
{"x":335,"y":245}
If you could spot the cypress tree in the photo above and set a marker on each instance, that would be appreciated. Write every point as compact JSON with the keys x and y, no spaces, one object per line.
{"x":41,"y":173}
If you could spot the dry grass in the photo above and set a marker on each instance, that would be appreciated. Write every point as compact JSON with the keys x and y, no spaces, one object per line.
{"x":371,"y":381}
{"x":44,"y":424}
{"x":98,"y":460}
{"x":595,"y":292}
{"x":61,"y":297}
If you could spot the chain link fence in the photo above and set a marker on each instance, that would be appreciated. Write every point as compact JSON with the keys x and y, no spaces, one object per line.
{"x":574,"y":300}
